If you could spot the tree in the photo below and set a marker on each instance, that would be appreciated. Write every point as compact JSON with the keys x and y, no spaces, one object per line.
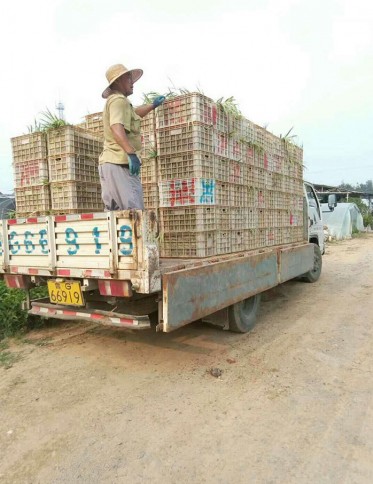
{"x":366,"y":187}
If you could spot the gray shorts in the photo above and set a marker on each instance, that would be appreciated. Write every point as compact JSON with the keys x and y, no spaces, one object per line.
{"x":120,"y":190}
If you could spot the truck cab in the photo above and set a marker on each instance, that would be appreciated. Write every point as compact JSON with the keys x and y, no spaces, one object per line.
{"x":315,"y":223}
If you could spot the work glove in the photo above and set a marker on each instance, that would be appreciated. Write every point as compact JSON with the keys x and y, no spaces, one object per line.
{"x":158,"y":101}
{"x":134,"y":164}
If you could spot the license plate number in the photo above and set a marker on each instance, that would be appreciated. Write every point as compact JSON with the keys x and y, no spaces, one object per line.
{"x":68,"y":293}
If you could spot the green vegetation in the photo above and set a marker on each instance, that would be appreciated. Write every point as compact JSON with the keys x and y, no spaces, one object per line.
{"x":51,"y":121}
{"x":366,"y":187}
{"x":48,"y":121}
{"x":229,"y":106}
{"x":149,"y":97}
{"x":14,"y":319}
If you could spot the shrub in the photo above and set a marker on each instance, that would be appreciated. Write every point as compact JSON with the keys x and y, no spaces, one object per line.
{"x":12,"y":317}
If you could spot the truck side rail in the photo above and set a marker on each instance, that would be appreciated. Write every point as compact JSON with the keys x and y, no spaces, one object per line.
{"x":193,"y":293}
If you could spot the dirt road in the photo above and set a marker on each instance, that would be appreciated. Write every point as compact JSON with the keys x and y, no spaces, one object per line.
{"x":293,"y":405}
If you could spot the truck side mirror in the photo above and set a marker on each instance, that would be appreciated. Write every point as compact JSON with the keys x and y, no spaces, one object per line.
{"x":332,"y":202}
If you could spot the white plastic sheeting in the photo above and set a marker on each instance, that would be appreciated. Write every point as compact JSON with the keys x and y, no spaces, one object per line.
{"x":345,"y":218}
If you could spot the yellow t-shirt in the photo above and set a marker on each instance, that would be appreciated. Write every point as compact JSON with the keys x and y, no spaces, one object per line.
{"x":118,"y":110}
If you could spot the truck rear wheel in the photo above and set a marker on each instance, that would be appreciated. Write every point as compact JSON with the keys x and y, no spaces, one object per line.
{"x":242,"y":315}
{"x":314,"y":274}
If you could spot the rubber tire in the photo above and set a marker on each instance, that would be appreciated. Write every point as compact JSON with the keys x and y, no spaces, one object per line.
{"x":242,"y":315}
{"x":314,"y":274}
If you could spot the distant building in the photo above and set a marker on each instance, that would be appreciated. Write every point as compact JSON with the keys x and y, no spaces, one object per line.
{"x":324,"y":190}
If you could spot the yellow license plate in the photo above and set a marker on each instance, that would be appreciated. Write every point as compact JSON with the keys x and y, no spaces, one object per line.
{"x":67,"y":292}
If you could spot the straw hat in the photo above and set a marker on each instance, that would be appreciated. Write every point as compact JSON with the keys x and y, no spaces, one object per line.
{"x":117,"y":70}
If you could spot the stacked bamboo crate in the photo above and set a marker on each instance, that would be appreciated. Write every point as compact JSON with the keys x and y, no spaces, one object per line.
{"x":224,"y":184}
{"x":94,"y":122}
{"x":31,"y":179}
{"x":149,"y":168}
{"x":219,"y":183}
{"x":56,"y":171}
{"x":73,"y":175}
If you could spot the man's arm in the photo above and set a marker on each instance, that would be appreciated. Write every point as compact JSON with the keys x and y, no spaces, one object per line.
{"x":144,"y":110}
{"x":121,"y":138}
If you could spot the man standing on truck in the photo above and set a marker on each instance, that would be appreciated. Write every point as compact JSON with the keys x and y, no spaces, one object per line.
{"x":119,"y":164}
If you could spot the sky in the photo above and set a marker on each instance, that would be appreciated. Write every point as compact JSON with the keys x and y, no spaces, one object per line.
{"x":288,"y":63}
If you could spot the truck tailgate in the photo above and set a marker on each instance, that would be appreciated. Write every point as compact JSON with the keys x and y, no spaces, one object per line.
{"x":112,"y":245}
{"x":25,"y":246}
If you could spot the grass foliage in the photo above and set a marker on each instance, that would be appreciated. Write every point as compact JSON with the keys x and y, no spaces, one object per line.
{"x":48,"y":121}
{"x":14,"y":319}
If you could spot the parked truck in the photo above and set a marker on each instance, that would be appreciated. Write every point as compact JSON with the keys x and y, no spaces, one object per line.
{"x":105,"y":267}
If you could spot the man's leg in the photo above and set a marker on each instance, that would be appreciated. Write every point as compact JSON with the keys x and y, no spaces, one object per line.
{"x":120,"y":190}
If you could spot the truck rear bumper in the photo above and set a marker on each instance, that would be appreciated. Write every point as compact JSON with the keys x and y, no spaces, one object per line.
{"x":107,"y":318}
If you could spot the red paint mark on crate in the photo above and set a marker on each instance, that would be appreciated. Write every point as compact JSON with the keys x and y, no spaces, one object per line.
{"x":260,"y":199}
{"x":222,"y":143}
{"x":29,"y":171}
{"x":214,"y":115}
{"x":250,"y":155}
{"x":235,"y":177}
{"x":182,"y":193}
{"x":236,"y":148}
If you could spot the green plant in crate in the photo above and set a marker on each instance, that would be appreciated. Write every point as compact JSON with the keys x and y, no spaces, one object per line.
{"x":229,"y":106}
{"x":252,"y":144}
{"x":152,"y":153}
{"x":51,"y":121}
{"x":148,"y":98}
{"x":34,"y":128}
{"x":47,"y":122}
{"x":288,"y":142}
